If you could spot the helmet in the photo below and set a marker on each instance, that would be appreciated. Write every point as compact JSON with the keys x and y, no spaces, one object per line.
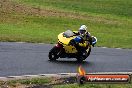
{"x":83,"y":30}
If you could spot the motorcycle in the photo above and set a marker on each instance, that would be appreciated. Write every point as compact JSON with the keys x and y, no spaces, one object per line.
{"x":65,"y":49}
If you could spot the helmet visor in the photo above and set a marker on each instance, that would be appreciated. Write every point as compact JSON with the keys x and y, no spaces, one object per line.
{"x":82,"y":31}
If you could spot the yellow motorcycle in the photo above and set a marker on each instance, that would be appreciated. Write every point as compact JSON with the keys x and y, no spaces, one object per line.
{"x":66,"y":49}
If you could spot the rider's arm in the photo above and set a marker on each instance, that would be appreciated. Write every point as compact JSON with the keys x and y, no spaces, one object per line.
{"x":76,"y":33}
{"x":89,"y":38}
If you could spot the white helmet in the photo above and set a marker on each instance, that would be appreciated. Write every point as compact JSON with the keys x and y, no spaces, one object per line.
{"x":83,"y":30}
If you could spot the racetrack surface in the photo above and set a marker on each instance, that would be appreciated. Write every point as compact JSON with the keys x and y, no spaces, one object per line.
{"x":31,"y":59}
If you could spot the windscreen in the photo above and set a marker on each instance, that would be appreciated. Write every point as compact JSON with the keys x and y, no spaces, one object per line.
{"x":68,"y":33}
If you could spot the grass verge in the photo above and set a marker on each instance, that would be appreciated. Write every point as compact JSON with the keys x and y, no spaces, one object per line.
{"x":23,"y":83}
{"x":40,"y":21}
{"x":95,"y":86}
{"x":56,"y":82}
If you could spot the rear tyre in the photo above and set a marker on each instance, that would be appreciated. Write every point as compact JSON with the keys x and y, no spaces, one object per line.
{"x":54,"y":53}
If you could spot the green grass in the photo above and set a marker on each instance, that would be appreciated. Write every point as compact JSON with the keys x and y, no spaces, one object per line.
{"x":26,"y":82}
{"x":95,"y":86}
{"x":22,"y":83}
{"x":109,"y":20}
{"x":114,"y":7}
{"x":30,"y":81}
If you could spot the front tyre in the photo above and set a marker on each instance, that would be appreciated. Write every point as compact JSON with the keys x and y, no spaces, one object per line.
{"x":54,"y":53}
{"x":88,"y":52}
{"x":81,"y":58}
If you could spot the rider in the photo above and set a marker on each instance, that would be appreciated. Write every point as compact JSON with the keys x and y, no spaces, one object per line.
{"x":83,"y":36}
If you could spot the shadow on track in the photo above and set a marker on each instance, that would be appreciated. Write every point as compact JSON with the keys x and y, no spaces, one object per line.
{"x":73,"y":63}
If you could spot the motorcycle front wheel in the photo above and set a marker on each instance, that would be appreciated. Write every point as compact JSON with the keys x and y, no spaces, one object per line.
{"x":80,"y":58}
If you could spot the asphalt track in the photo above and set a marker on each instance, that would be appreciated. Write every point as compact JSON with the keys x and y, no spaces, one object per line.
{"x":31,"y":59}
